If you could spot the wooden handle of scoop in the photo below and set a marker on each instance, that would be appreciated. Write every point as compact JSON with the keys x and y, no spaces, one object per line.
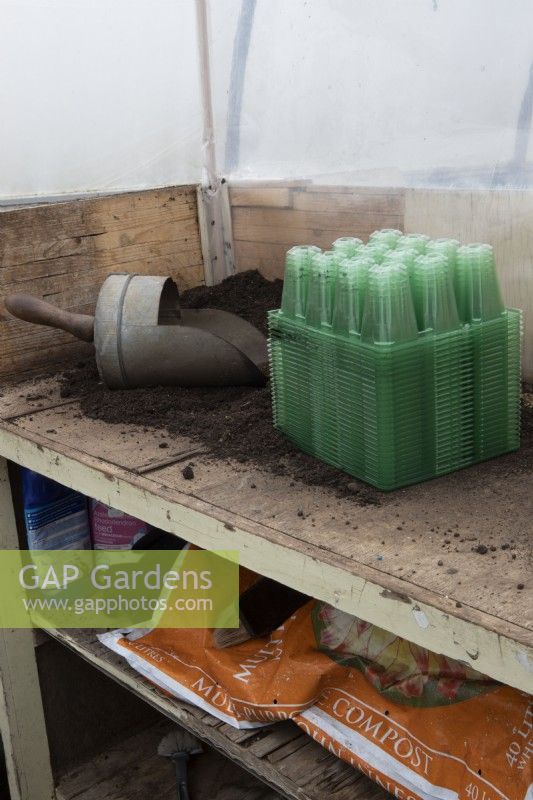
{"x":32,"y":309}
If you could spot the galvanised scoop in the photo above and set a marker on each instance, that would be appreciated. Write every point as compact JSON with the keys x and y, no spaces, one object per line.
{"x":143,"y":338}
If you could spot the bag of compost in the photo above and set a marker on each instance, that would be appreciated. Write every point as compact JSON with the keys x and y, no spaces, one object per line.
{"x":419,"y":724}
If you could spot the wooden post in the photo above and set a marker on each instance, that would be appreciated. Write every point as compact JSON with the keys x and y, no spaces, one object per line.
{"x":214,"y":220}
{"x":22,"y":722}
{"x":214,"y":214}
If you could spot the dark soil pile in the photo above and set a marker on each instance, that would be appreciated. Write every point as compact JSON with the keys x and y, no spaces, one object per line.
{"x":230,"y":422}
{"x":236,"y":422}
{"x":247,"y":294}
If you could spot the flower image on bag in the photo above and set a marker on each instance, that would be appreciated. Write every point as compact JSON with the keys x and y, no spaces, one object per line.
{"x":402,"y":670}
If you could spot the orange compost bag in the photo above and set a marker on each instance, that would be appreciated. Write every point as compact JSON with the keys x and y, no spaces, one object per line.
{"x":419,"y":724}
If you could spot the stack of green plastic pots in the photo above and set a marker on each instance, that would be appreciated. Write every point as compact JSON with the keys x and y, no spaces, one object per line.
{"x":346,"y":247}
{"x":350,"y":295}
{"x":320,"y":301}
{"x":495,"y":336}
{"x":396,"y":360}
{"x":387,"y":236}
{"x":514,"y":378}
{"x":447,"y":372}
{"x":291,"y":363}
{"x":414,"y":241}
{"x":377,"y":250}
{"x":393,"y":402}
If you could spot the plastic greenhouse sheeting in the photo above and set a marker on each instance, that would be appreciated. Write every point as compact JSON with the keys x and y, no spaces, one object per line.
{"x":418,"y":93}
{"x":104,"y":96}
{"x":98,"y":96}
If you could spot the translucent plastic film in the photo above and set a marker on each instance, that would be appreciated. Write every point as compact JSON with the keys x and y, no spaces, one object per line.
{"x":417,"y":93}
{"x":98,"y":95}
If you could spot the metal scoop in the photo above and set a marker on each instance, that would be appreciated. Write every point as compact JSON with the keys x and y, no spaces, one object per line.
{"x":143,"y":338}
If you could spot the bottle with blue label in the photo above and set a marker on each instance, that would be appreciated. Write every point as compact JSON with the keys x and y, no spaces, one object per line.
{"x":56,"y":517}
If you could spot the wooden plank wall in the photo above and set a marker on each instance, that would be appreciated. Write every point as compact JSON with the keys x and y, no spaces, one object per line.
{"x":271,"y":217}
{"x":63,"y":251}
{"x":267,"y":220}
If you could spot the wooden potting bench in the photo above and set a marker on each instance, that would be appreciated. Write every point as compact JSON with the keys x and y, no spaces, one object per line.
{"x":411,"y":564}
{"x":389,"y":565}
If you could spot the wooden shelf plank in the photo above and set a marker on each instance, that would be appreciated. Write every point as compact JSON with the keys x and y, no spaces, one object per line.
{"x":132,"y":770}
{"x":281,"y":756}
{"x":387,"y":563}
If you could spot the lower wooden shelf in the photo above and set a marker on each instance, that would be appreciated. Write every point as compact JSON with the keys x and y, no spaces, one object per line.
{"x":132,"y":770}
{"x":281,"y":756}
{"x":129,"y":770}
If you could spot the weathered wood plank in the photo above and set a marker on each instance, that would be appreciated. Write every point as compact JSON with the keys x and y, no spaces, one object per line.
{"x":281,"y":734}
{"x":132,"y":770}
{"x":135,"y":446}
{"x":354,"y":202}
{"x":31,"y":233}
{"x":270,"y":196}
{"x":321,"y":236}
{"x":131,"y":257}
{"x":364,"y":190}
{"x":123,"y":757}
{"x":344,"y":220}
{"x":63,"y":252}
{"x":264,"y":229}
{"x":293,"y":183}
{"x":25,"y":399}
{"x":267,"y":257}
